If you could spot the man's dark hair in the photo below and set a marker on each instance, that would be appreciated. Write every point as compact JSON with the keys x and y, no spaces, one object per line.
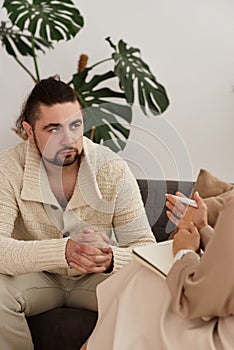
{"x":47,"y":92}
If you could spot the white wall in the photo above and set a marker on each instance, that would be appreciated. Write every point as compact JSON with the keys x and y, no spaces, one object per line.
{"x":189,"y":46}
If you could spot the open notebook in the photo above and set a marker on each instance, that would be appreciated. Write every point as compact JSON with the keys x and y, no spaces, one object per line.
{"x":157,"y":257}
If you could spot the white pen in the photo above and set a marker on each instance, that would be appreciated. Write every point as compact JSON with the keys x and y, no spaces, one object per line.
{"x":185,"y":200}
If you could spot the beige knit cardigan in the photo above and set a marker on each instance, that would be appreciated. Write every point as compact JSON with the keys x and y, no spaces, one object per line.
{"x":106,"y":196}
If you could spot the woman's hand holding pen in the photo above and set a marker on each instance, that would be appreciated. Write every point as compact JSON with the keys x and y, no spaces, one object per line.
{"x":182,"y":215}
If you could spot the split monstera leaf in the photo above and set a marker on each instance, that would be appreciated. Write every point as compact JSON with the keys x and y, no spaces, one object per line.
{"x":34,"y":26}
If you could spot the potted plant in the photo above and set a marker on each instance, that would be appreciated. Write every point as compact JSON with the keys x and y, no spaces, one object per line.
{"x":34,"y":26}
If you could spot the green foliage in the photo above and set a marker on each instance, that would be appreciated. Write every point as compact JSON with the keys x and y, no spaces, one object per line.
{"x":51,"y":19}
{"x":36,"y":24}
{"x":129,"y":67}
{"x":15,"y":42}
{"x":101,"y":113}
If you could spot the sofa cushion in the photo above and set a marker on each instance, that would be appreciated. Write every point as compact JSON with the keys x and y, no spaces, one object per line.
{"x":62,"y":328}
{"x":209,"y":185}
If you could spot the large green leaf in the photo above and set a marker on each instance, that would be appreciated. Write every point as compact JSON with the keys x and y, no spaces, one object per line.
{"x":16,"y":42}
{"x":51,"y":19}
{"x":101,"y":112}
{"x":130,"y":68}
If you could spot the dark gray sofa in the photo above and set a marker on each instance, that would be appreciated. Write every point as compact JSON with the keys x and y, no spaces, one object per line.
{"x":67,"y":328}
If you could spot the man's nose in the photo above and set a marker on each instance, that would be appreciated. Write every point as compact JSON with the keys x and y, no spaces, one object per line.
{"x":67,"y":137}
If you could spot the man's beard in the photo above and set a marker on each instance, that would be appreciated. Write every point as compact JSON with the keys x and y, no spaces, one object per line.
{"x":67,"y":160}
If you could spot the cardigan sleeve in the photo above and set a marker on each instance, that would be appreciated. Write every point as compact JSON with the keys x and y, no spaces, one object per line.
{"x":205,"y":287}
{"x":130,"y":222}
{"x":18,"y":257}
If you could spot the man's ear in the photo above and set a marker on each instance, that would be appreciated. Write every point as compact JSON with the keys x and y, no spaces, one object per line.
{"x":29,"y":131}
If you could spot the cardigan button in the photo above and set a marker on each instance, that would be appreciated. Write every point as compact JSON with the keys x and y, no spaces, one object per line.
{"x":54,"y":207}
{"x":66,"y":234}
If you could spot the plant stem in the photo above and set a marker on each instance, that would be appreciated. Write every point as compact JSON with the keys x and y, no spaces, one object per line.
{"x":36,"y":68}
{"x":100,"y":62}
{"x":96,"y":64}
{"x":26,"y":69}
{"x":92,"y":133}
{"x":35,"y":60}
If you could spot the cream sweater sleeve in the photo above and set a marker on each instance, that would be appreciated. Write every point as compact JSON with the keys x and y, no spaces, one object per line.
{"x":18,"y":257}
{"x":130,"y":222}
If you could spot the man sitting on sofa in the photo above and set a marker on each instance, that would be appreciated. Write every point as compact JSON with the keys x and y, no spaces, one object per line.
{"x":62,"y":198}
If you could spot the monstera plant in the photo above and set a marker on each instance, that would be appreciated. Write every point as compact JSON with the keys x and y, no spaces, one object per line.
{"x":33,"y":26}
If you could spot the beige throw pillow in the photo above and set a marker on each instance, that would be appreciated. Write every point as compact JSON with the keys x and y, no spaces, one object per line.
{"x":209,"y":186}
{"x":213,"y":190}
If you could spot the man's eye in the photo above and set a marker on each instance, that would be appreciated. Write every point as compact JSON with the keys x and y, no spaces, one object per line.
{"x":54,"y":130}
{"x":76,"y":125}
